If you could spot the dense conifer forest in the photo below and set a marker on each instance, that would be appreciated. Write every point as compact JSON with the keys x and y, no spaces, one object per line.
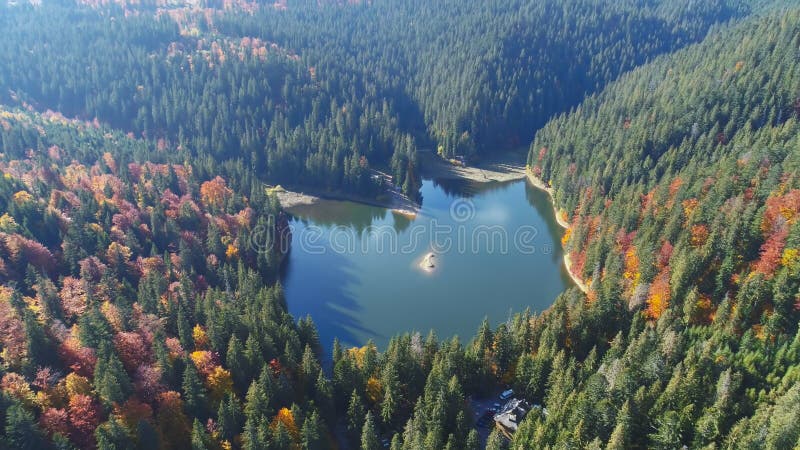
{"x":140,"y":301}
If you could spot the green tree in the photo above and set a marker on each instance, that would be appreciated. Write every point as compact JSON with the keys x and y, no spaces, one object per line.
{"x":369,"y":435}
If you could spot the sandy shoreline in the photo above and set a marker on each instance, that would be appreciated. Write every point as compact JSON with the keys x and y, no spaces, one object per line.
{"x":539,"y":184}
{"x":397,"y":202}
{"x":509,"y":166}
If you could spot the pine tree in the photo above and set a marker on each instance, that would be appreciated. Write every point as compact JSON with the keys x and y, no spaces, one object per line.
{"x":199,"y":436}
{"x":111,"y":382}
{"x":236,"y":362}
{"x":369,"y":435}
{"x":194,"y":395}
{"x":620,"y":436}
{"x":355,"y":416}
{"x":230,"y":417}
{"x":312,"y":433}
{"x":496,"y":441}
{"x":21,"y":431}
{"x":146,"y":435}
{"x":113,"y":435}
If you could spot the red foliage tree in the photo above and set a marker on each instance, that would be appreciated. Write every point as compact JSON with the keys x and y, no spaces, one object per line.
{"x":699,"y":235}
{"x":92,"y":269}
{"x":132,"y":350}
{"x":147,"y":382}
{"x":84,"y":416}
{"x":172,"y":421}
{"x":133,"y":411}
{"x":771,"y":252}
{"x":23,"y":250}
{"x":80,"y":359}
{"x":780,"y":210}
{"x":664,"y":254}
{"x":55,"y":420}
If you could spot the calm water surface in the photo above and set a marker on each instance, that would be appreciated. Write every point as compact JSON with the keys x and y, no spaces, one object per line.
{"x":355,"y":268}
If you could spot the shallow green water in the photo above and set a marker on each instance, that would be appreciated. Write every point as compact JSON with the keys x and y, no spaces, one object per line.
{"x":355,"y":268}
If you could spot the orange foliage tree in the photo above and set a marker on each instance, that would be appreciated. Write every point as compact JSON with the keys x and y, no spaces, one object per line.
{"x":215,"y":193}
{"x":659,"y":297}
{"x":699,"y":235}
{"x":286,"y":418}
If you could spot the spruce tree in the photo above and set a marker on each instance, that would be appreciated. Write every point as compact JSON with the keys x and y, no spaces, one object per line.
{"x":369,"y":435}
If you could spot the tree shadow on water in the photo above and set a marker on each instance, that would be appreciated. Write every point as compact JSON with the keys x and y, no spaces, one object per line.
{"x":316,"y":285}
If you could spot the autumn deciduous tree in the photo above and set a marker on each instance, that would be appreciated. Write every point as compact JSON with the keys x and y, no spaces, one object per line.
{"x":133,"y":351}
{"x":73,"y":297}
{"x":215,"y":193}
{"x":699,"y":235}
{"x":286,"y":418}
{"x":219,"y":383}
{"x":172,"y":422}
{"x":54,"y":420}
{"x":659,"y":297}
{"x":632,"y":273}
{"x":374,"y":390}
{"x":12,"y":330}
{"x":200,"y":338}
{"x":772,"y":252}
{"x":84,"y":416}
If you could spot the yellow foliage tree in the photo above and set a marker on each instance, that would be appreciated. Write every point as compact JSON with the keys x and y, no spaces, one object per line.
{"x":200,"y":338}
{"x":118,"y":252}
{"x":219,"y":383}
{"x":374,"y":390}
{"x":231,"y":252}
{"x":658,"y":300}
{"x":791,"y":259}
{"x":8,"y":224}
{"x":632,"y":273}
{"x":22,"y":197}
{"x":204,"y":361}
{"x":567,"y":235}
{"x":78,"y":385}
{"x":286,"y":417}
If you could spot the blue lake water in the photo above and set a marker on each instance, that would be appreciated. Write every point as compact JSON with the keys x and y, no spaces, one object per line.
{"x":356,"y":268}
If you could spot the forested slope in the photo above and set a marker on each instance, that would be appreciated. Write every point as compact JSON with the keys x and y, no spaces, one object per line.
{"x":313,"y":94}
{"x":481,"y":75}
{"x":139,"y":306}
{"x":682,"y":183}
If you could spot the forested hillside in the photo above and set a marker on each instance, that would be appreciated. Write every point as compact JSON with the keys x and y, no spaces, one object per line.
{"x":140,"y":306}
{"x":483,"y":76}
{"x":310,"y":94}
{"x":681,"y":183}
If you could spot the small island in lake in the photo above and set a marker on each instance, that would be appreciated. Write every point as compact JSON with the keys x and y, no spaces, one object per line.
{"x":428,"y":262}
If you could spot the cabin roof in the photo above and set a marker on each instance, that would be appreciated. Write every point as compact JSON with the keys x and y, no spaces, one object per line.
{"x":511,"y":414}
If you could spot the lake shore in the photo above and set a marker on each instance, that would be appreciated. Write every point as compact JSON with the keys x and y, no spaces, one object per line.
{"x":505,"y":168}
{"x":508,"y":166}
{"x":396,"y":201}
{"x":540,"y":184}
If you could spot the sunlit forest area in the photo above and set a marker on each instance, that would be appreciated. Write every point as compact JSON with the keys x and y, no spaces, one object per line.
{"x":140,"y":298}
